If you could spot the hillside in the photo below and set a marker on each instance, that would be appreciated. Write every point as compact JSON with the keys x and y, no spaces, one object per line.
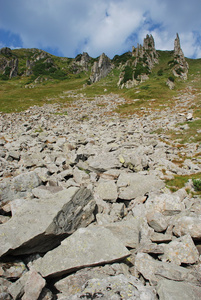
{"x":34,"y":77}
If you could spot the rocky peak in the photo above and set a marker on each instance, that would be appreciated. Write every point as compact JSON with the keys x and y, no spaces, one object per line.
{"x":177,"y":46}
{"x":101,"y":68}
{"x":143,"y":60}
{"x":149,"y":43}
{"x":181,"y":67}
{"x":82,"y":60}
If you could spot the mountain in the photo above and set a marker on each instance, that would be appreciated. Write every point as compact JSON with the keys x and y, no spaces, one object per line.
{"x":46,"y":75}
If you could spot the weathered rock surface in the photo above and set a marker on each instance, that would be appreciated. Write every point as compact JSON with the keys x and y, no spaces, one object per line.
{"x":29,"y":286}
{"x":84,"y":248}
{"x":42,"y":221}
{"x":101,"y":68}
{"x":115,"y":287}
{"x":133,"y":185}
{"x":174,"y":290}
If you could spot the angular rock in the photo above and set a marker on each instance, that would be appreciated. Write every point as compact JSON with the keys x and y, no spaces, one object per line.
{"x":33,"y":286}
{"x":73,"y":283}
{"x":46,"y":191}
{"x":115,"y":287}
{"x":127,"y":231}
{"x":13,"y":270}
{"x":174,"y":290}
{"x":188,"y":225}
{"x":20,"y":186}
{"x":154,"y":270}
{"x":103,"y":162}
{"x":157,"y":221}
{"x":107,"y":190}
{"x":84,"y":248}
{"x":29,"y":286}
{"x":4,"y":285}
{"x":181,"y":250}
{"x":136,"y":185}
{"x":166,"y":204}
{"x":43,"y":221}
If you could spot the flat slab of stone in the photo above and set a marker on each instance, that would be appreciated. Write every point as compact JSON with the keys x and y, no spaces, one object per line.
{"x":38,"y":223}
{"x":168,"y":289}
{"x":181,"y":250}
{"x":133,"y":185}
{"x":127,"y":231}
{"x":154,"y":270}
{"x":114,"y":287}
{"x":84,"y":248}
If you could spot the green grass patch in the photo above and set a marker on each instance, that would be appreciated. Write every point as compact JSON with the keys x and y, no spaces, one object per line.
{"x":179,"y":181}
{"x":190,"y":135}
{"x":14,"y":97}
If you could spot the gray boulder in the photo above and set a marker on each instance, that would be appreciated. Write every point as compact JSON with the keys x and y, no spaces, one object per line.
{"x":84,"y":248}
{"x":181,"y":250}
{"x":39,"y":224}
{"x":29,"y":286}
{"x":188,"y":225}
{"x":19,"y":186}
{"x":107,"y":190}
{"x":132,"y":185}
{"x":103,"y":162}
{"x":115,"y":288}
{"x":154,"y":270}
{"x":127,"y":231}
{"x":71,"y":284}
{"x":174,"y":290}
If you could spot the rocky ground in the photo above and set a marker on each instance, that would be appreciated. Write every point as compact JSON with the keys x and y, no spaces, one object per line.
{"x":85,"y":213}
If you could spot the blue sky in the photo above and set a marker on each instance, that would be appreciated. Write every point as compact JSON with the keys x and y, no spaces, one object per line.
{"x":69,"y":27}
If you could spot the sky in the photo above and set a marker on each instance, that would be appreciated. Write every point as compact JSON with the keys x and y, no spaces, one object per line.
{"x":69,"y":27}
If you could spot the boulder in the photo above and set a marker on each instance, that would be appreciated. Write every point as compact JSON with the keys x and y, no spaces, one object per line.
{"x":127,"y":231}
{"x":154,"y":270}
{"x":103,"y":162}
{"x":181,"y":250}
{"x":167,"y":204}
{"x":44,"y":221}
{"x":29,"y":286}
{"x":132,"y":185}
{"x":157,"y":221}
{"x":84,"y":248}
{"x":72,"y":284}
{"x":188,"y":225}
{"x":107,"y":190}
{"x":19,"y":186}
{"x":174,"y":290}
{"x":115,"y":287}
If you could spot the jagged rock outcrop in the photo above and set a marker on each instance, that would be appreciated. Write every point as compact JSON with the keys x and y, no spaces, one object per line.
{"x":138,"y":68}
{"x":101,"y":68}
{"x":180,"y":68}
{"x":82,"y":60}
{"x":8,"y":65}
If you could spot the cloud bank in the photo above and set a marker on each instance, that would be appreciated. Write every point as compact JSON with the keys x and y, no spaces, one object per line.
{"x":69,"y":27}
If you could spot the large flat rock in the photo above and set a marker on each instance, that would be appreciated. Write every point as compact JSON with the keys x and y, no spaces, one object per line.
{"x":132,"y":185}
{"x":84,"y":248}
{"x":38,"y":224}
{"x":168,"y":289}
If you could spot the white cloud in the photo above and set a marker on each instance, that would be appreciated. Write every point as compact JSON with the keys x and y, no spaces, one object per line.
{"x":73,"y":26}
